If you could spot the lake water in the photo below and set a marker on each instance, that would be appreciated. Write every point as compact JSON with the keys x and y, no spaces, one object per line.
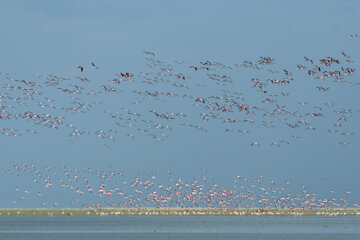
{"x":178,"y":227}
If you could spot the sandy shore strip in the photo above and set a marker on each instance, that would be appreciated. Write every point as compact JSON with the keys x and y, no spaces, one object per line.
{"x":184,"y":212}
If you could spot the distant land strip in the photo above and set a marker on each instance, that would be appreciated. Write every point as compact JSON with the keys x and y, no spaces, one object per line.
{"x":182,"y":212}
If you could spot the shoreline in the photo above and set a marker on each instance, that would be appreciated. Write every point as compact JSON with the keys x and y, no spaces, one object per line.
{"x":178,"y":212}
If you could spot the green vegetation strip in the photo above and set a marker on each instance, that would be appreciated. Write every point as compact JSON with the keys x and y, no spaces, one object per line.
{"x":184,"y":212}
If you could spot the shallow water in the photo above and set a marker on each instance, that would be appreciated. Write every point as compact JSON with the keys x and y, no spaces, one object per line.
{"x":176,"y":227}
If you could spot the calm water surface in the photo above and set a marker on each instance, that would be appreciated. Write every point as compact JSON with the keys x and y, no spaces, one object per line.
{"x":172,"y":227}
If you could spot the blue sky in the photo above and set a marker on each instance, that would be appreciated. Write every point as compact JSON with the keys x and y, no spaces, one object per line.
{"x":45,"y":37}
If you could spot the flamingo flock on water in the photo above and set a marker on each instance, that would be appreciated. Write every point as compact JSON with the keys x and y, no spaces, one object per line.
{"x":89,"y":188}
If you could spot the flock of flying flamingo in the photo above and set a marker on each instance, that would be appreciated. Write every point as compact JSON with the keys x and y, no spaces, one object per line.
{"x":89,"y":188}
{"x":204,"y":96}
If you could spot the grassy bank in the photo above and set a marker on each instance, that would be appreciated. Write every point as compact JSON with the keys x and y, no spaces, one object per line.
{"x":184,"y":212}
